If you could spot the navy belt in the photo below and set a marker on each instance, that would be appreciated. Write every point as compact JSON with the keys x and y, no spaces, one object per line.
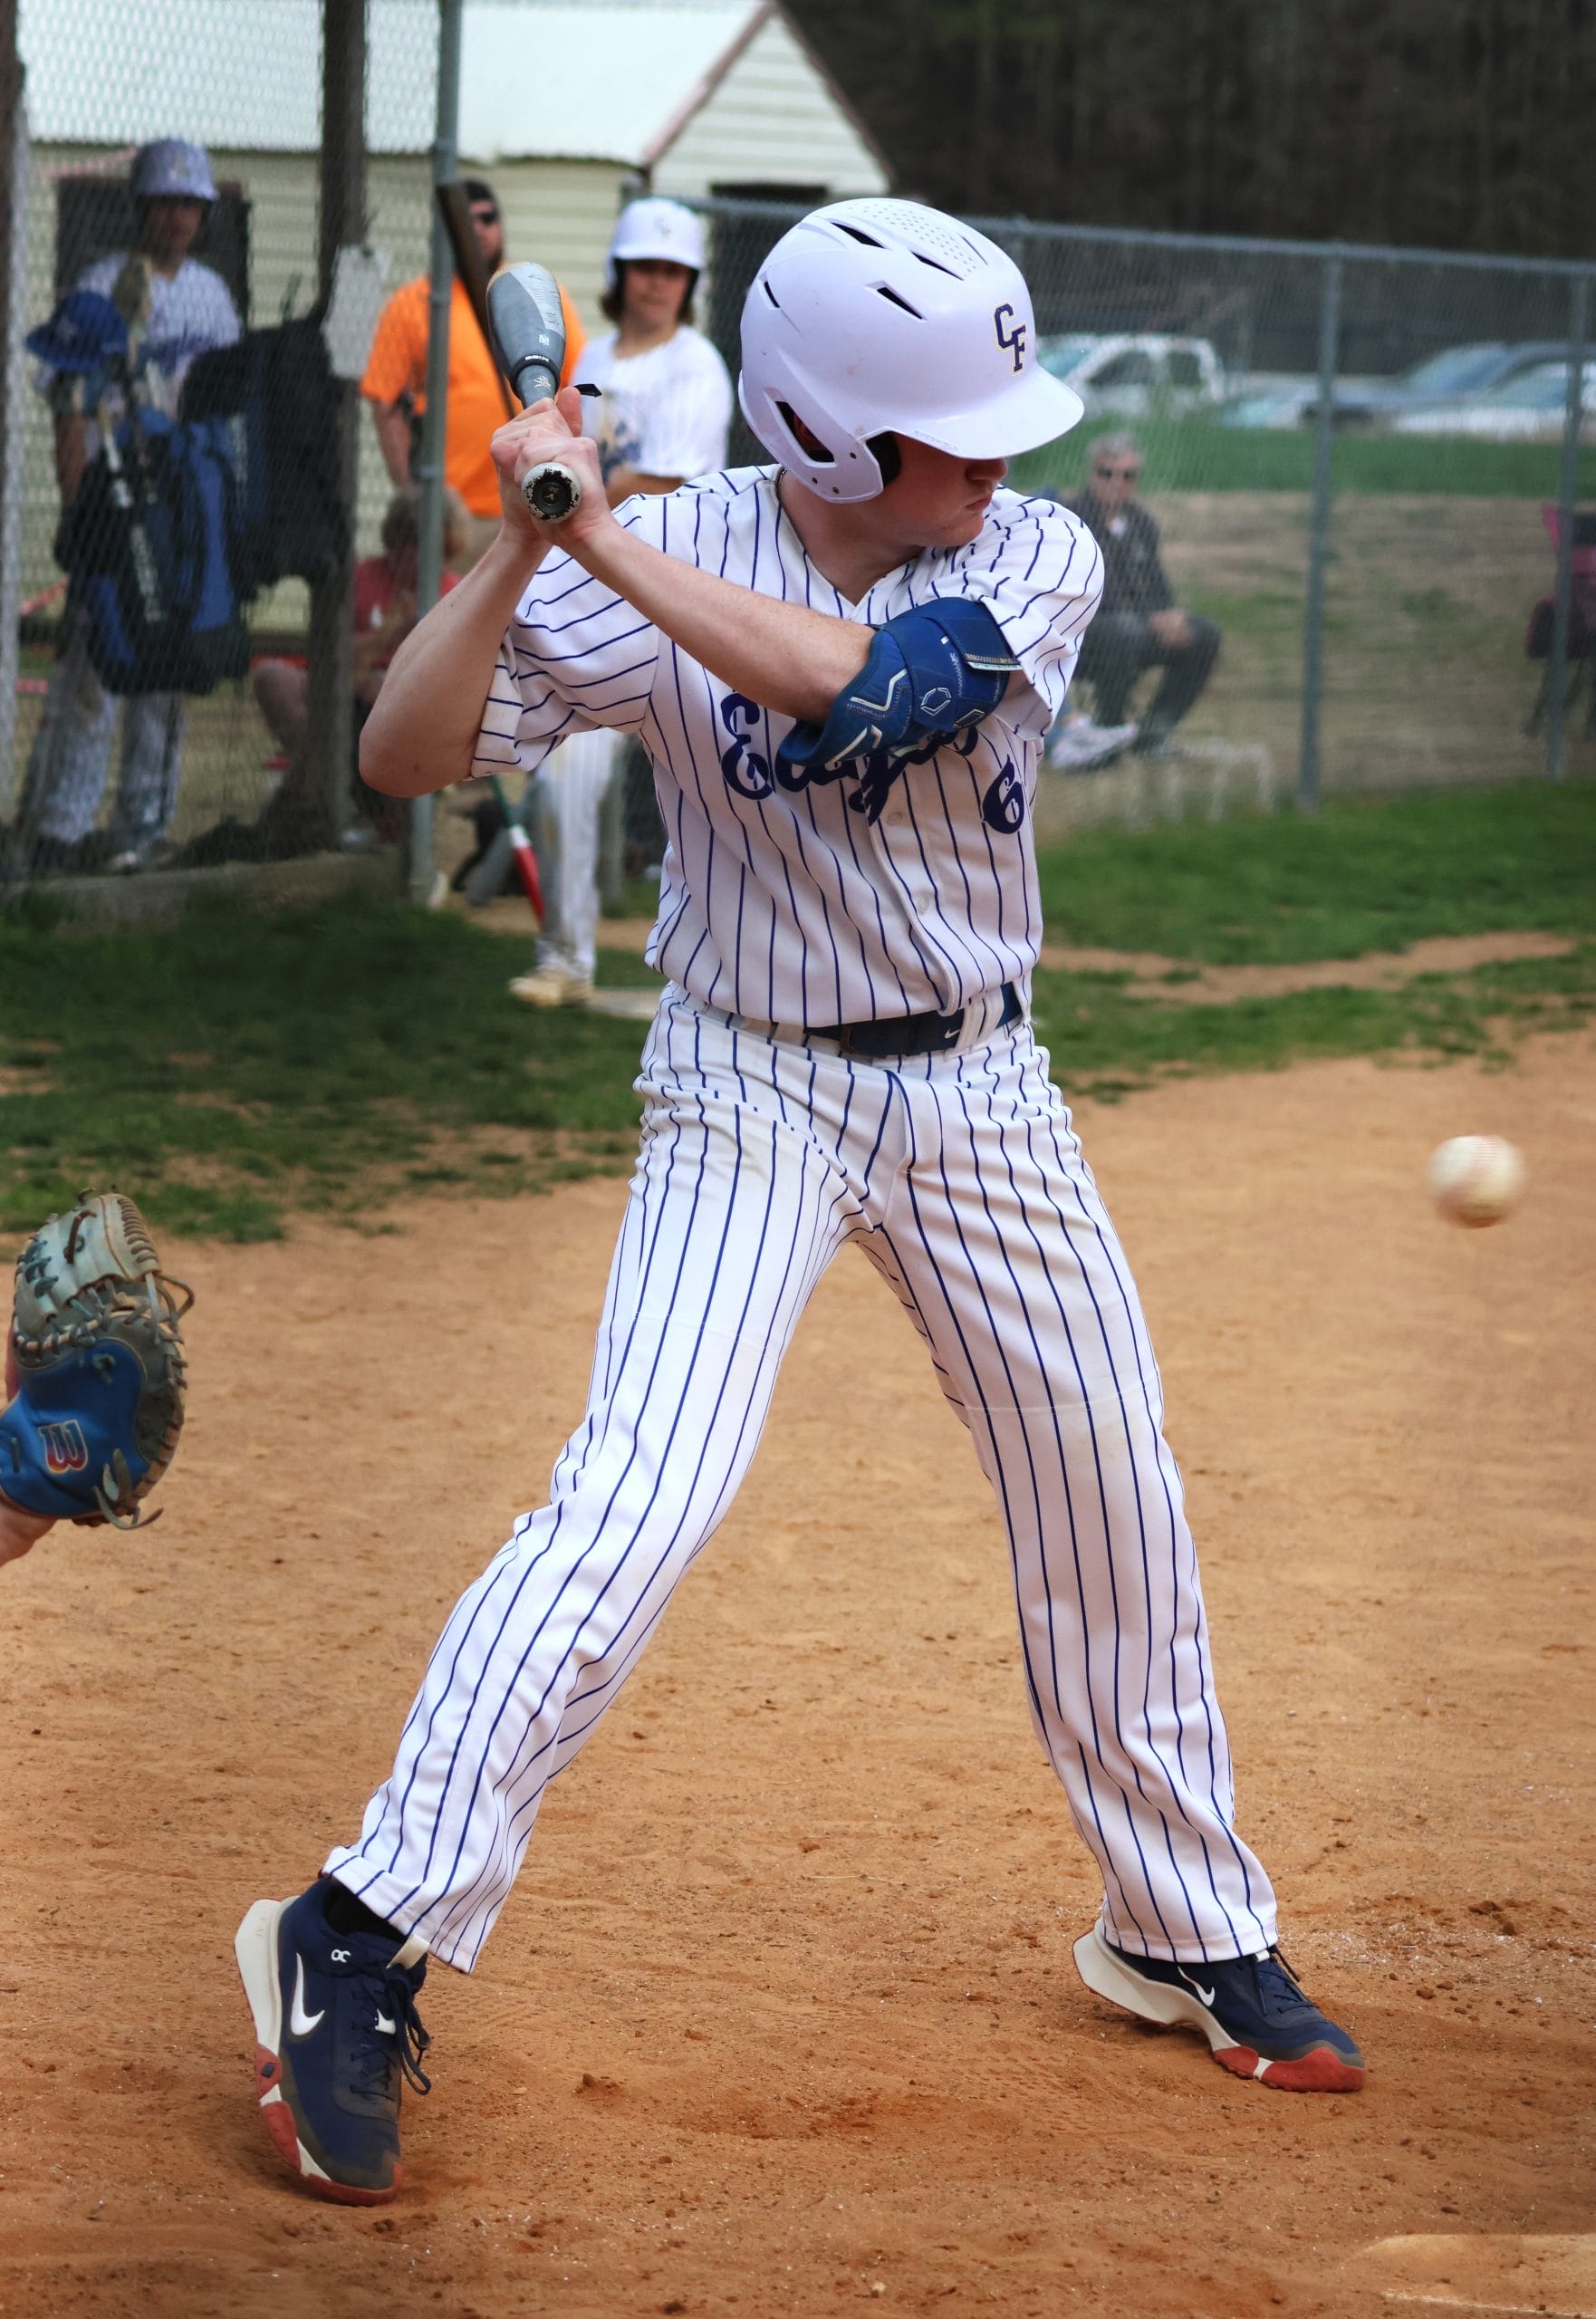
{"x":910,"y":1035}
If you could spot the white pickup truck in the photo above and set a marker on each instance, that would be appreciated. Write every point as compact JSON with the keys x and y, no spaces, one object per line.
{"x":1137,"y":376}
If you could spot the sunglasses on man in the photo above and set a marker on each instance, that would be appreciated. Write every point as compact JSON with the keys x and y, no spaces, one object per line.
{"x":485,"y":216}
{"x":1113,"y":474}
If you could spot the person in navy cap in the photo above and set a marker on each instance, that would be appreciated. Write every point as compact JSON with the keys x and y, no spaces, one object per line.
{"x":138,"y":315}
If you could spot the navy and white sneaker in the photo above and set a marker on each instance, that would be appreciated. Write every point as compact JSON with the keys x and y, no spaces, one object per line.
{"x":335,"y":2038}
{"x":1256,"y":2019}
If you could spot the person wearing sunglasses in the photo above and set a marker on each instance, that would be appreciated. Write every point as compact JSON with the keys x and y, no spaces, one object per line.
{"x":1139,"y":625}
{"x":395,"y":384}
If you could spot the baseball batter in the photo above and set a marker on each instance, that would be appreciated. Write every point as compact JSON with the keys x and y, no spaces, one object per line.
{"x":843,"y":666}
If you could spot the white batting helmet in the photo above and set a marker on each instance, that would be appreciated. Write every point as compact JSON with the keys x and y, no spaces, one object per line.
{"x":880,"y":317}
{"x":172,"y":167}
{"x":654,"y":228}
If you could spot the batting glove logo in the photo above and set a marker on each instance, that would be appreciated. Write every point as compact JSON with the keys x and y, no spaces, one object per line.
{"x":1011,"y":335}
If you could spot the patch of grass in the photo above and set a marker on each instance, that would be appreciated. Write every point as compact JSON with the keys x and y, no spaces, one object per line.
{"x":1361,"y":875}
{"x":1106,"y":1041}
{"x":232,"y":1068}
{"x":1198,"y":455}
{"x":238,"y":1068}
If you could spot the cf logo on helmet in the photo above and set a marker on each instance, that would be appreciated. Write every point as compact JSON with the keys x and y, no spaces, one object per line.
{"x":1011,"y":335}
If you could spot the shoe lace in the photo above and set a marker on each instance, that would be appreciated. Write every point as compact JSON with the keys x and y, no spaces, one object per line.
{"x":1277,"y":1981}
{"x":405,"y":2042}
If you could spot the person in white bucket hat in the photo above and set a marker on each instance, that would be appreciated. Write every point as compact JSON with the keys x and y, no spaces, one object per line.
{"x":662,"y":414}
{"x":843,"y":666}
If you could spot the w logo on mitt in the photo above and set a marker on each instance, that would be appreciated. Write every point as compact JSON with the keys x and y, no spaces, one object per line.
{"x":95,"y":1364}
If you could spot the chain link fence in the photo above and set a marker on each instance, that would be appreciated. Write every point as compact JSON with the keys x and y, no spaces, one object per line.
{"x":1360,"y":461}
{"x":1366,"y":465}
{"x":163,"y":700}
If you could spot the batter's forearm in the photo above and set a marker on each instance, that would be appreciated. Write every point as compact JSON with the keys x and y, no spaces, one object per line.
{"x":783,"y":656}
{"x":421,"y":734}
{"x":393,"y":434}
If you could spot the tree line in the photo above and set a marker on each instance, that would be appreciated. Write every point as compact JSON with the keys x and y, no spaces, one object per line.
{"x":1447,"y":124}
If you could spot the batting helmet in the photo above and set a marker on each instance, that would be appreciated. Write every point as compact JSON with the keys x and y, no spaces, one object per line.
{"x":654,"y":228}
{"x":880,"y":317}
{"x":171,"y":169}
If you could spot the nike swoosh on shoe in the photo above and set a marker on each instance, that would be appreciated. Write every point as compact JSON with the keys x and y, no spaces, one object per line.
{"x":300,"y":2023}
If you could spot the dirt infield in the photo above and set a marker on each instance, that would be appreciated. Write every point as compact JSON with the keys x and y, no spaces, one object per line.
{"x":782,"y":2017}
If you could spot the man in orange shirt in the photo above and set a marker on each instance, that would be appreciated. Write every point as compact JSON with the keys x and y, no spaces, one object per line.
{"x":395,"y":384}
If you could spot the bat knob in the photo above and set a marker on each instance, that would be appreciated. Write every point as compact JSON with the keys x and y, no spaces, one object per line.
{"x":551,"y":491}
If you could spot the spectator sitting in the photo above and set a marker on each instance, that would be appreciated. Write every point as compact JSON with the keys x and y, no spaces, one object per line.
{"x":1139,"y":624}
{"x":395,"y":384}
{"x":1078,"y":745}
{"x":385,"y":613}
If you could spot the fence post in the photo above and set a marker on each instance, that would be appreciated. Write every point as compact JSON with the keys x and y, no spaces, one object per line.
{"x":1329,"y":328}
{"x":330,"y":645}
{"x":430,"y":466}
{"x":1568,"y":493}
{"x":14,"y":172}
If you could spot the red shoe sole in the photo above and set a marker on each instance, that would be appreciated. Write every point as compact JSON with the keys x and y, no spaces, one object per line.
{"x":1323,"y":2070}
{"x":278,"y":2120}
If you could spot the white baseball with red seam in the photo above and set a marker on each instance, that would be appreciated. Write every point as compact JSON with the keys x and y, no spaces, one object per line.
{"x":1476,"y":1178}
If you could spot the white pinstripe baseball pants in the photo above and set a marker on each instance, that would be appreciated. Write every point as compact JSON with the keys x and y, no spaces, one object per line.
{"x":69,"y":761}
{"x":960,"y":1178}
{"x":569,"y":793}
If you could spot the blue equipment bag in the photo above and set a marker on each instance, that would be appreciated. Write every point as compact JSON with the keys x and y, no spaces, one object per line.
{"x":149,"y":550}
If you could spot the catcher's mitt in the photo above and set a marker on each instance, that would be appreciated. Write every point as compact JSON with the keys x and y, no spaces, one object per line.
{"x":97,"y":1357}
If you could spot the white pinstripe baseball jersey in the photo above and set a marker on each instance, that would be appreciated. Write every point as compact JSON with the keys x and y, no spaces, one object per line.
{"x":189,"y":314}
{"x":779,"y":899}
{"x":665,"y":412}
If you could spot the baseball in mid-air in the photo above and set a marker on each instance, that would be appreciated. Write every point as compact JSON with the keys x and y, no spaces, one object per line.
{"x":1476,"y":1178}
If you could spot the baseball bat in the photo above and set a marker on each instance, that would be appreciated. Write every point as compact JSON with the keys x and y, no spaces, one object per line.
{"x":468,"y":266}
{"x":521,"y":851}
{"x":526,"y":329}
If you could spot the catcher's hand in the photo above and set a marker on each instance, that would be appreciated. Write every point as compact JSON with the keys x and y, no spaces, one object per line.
{"x":97,"y":1357}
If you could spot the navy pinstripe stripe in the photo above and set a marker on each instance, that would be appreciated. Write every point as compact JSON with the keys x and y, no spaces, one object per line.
{"x":1087,"y":1407}
{"x":518,"y":1768}
{"x":973,"y":1368}
{"x":786,"y":1312}
{"x":894,"y":1270}
{"x":1103,"y":1231}
{"x":548,"y":1613}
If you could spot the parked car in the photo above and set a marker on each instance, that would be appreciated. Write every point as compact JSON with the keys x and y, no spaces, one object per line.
{"x":1445,"y":377}
{"x":1440,"y":380}
{"x":1136,"y":376}
{"x":1529,"y":408}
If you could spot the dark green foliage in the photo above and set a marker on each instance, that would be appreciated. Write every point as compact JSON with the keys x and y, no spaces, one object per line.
{"x":1452,"y":124}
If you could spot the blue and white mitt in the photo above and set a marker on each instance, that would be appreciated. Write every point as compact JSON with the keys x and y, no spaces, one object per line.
{"x":95,"y":1364}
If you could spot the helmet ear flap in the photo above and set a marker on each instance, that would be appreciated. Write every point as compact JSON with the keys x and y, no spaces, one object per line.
{"x":884,"y":450}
